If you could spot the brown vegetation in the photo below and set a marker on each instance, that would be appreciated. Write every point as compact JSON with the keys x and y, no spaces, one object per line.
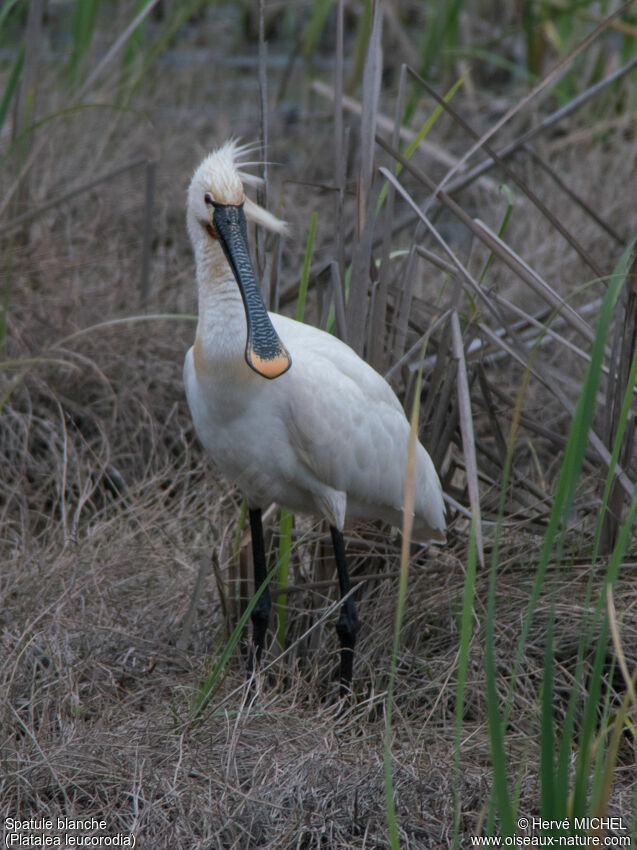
{"x":108,"y":507}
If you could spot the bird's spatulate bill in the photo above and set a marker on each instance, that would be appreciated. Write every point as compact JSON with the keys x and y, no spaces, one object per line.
{"x":264,"y":352}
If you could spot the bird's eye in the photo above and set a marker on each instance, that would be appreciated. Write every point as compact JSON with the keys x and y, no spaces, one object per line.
{"x":208,"y":225}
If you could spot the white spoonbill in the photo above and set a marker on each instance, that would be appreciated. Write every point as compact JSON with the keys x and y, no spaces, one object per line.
{"x":287,"y":412}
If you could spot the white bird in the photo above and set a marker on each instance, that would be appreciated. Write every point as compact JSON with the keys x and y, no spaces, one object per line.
{"x":287,"y":412}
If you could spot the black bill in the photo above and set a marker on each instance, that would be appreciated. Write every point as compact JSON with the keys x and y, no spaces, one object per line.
{"x":264,"y":352}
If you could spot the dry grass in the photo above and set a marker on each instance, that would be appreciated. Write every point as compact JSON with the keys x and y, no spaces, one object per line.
{"x":108,"y":507}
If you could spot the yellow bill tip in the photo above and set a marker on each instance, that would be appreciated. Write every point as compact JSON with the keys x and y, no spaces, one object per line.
{"x":271,"y":367}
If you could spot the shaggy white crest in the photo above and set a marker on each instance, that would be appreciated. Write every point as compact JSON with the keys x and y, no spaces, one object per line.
{"x":218,"y":175}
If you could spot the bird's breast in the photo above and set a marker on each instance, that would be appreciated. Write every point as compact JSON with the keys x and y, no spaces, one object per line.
{"x":240,"y":422}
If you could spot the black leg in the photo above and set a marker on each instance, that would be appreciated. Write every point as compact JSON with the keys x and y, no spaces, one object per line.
{"x":347,"y":625}
{"x":261,"y":611}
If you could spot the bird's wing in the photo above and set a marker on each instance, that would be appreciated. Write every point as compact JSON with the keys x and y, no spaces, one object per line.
{"x":310,"y":343}
{"x":347,"y":425}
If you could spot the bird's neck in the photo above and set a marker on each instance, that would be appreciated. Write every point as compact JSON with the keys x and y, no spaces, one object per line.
{"x":221,"y":329}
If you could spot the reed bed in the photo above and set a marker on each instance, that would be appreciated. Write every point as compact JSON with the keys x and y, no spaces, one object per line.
{"x":459,"y":188}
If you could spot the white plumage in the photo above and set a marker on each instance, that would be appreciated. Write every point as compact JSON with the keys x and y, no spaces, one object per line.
{"x":326,"y":437}
{"x":329,"y":437}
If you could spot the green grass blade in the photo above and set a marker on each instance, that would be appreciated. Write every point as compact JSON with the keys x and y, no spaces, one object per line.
{"x":463,"y":663}
{"x":135,"y":40}
{"x":496,"y":60}
{"x":547,"y":776}
{"x":363,"y":32}
{"x":82,"y":31}
{"x":209,"y":685}
{"x":285,"y":550}
{"x":565,"y":750}
{"x":531,"y":25}
{"x":600,"y":765}
{"x":443,"y":21}
{"x":305,"y":274}
{"x":589,"y":723}
{"x":12,"y":85}
{"x":331,"y":316}
{"x":590,"y":714}
{"x":7,"y":7}
{"x":569,"y":475}
{"x":565,"y":494}
{"x":496,"y":734}
{"x":600,"y":800}
{"x":573,"y":459}
{"x":503,"y":225}
{"x":440,"y":25}
{"x":500,"y":796}
{"x":315,"y":26}
{"x":621,"y":271}
{"x":553,"y":539}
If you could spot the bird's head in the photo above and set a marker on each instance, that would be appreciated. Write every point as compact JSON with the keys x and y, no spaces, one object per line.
{"x":216,"y":219}
{"x":219,"y":180}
